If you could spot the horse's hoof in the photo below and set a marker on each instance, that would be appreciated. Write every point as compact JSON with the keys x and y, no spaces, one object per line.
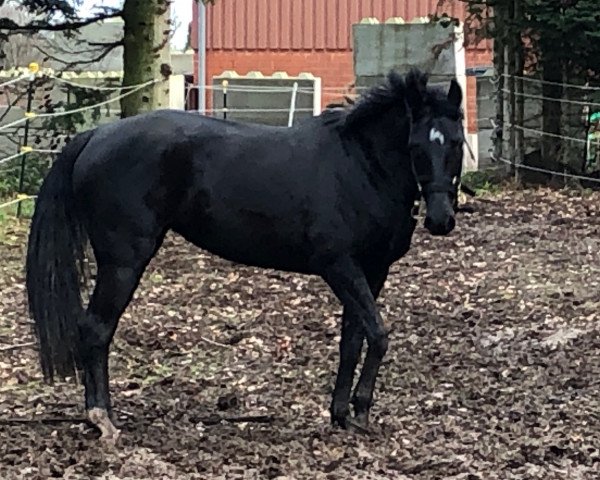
{"x":350,"y":424}
{"x":361,"y":422}
{"x":340,"y":421}
{"x":101,"y":418}
{"x":340,"y":412}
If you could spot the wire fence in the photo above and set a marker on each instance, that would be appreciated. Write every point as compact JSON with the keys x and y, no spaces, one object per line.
{"x":546,"y":126}
{"x":16,"y":161}
{"x":539,"y":81}
{"x":549,"y":172}
{"x":338,"y":92}
{"x":27,"y":82}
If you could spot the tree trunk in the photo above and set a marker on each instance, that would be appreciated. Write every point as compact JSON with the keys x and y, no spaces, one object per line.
{"x":551,"y":111}
{"x":510,"y":62}
{"x":499,"y":64}
{"x":146,"y":54}
{"x":519,"y":98}
{"x":574,"y":125}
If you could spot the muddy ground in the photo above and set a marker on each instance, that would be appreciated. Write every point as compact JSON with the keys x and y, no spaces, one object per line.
{"x":493,"y":370}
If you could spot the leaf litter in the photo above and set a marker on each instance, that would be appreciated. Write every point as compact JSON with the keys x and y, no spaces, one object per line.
{"x":493,"y":370}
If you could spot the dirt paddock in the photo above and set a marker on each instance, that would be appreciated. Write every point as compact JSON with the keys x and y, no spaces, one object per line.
{"x":218,"y":371}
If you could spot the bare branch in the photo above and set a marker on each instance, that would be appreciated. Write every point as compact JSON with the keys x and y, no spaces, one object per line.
{"x":12,"y":136}
{"x":97,"y":58}
{"x":16,"y":346}
{"x":47,"y":420}
{"x":7,"y":24}
{"x":216,"y":419}
{"x":95,"y":47}
{"x":10,"y":104}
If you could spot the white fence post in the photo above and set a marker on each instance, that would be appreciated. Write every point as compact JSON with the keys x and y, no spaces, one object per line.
{"x":293,"y":104}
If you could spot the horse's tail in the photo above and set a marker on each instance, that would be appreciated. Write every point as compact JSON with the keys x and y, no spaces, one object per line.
{"x":55,"y":255}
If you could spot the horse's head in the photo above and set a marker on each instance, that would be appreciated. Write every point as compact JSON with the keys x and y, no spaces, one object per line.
{"x":436,"y":145}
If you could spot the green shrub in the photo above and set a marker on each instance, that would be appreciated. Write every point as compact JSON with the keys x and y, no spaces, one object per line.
{"x":482,"y":181}
{"x":36,"y":168}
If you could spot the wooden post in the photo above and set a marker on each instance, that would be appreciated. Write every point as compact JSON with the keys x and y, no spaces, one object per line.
{"x":33,"y":67}
{"x":519,"y":98}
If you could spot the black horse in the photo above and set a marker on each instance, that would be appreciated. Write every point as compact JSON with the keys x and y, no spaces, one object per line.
{"x":331,"y":196}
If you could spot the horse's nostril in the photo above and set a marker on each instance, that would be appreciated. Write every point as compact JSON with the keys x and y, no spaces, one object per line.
{"x":441,"y":227}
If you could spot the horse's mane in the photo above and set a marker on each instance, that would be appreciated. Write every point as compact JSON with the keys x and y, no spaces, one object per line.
{"x":378,"y":100}
{"x":374,"y":101}
{"x":392,"y":93}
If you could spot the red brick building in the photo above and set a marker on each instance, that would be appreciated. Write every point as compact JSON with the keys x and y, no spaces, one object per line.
{"x":310,"y":36}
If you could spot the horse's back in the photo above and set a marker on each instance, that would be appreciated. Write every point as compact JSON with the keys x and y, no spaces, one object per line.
{"x":183,"y":141}
{"x":249,"y":193}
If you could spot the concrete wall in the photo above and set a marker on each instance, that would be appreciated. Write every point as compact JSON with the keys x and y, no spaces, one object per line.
{"x":486,"y":109}
{"x":107,"y":71}
{"x":58,"y":94}
{"x":177,"y":92}
{"x":380,"y":47}
{"x":438,"y":50}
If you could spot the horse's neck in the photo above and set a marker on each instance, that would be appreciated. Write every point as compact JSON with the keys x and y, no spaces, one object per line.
{"x":387,"y":152}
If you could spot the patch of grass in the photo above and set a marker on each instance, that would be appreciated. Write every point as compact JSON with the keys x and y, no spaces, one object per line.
{"x":10,"y":211}
{"x":157,"y":277}
{"x":485,"y":181}
{"x":13,"y":230}
{"x":587,"y":192}
{"x":156,"y":373}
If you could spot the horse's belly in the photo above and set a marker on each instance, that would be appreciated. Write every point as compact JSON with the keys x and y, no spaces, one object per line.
{"x":259,"y":249}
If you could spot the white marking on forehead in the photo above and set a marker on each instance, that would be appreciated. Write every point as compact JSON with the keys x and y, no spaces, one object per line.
{"x":436,"y":135}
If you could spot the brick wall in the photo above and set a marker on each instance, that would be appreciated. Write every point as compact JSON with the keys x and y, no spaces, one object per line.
{"x":334,"y":68}
{"x":282,"y":38}
{"x":477,"y":56}
{"x":471,"y":104}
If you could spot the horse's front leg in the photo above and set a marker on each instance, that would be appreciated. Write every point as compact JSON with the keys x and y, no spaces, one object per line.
{"x":350,"y":347}
{"x":361,"y":318}
{"x":363,"y":393}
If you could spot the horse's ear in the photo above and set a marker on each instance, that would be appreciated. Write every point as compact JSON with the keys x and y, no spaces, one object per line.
{"x":455,"y":94}
{"x":416,"y":88}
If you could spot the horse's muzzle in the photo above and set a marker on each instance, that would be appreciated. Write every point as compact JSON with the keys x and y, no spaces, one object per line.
{"x":440,"y":214}
{"x":440,"y":227}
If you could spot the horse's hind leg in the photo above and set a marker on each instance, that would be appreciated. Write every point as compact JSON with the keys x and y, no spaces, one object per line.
{"x":117,"y":278}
